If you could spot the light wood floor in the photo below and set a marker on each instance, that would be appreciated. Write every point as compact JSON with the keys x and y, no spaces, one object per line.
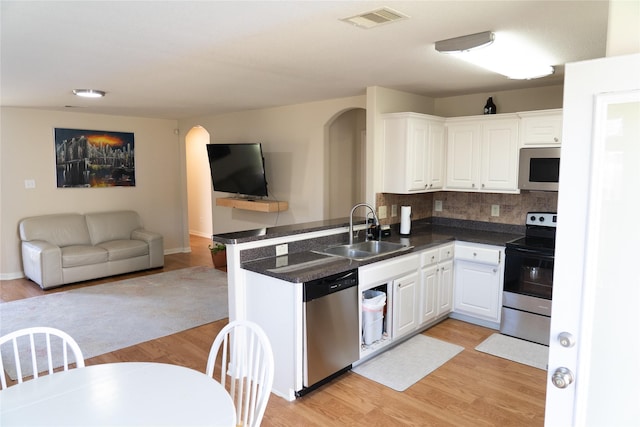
{"x":473,"y":389}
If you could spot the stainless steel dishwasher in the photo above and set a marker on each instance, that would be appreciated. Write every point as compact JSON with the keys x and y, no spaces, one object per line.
{"x":331,"y":333}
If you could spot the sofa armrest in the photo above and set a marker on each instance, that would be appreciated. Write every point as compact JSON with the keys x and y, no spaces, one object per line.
{"x":42,"y":263}
{"x":156,"y":245}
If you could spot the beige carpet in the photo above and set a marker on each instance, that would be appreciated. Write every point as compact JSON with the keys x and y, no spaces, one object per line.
{"x":409,"y":362}
{"x":111,"y":316}
{"x":516,"y":350}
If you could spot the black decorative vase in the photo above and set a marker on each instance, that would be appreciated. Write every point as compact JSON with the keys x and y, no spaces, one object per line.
{"x":490,"y":107}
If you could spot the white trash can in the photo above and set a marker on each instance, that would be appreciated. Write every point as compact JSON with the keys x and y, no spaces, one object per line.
{"x":373,"y":303}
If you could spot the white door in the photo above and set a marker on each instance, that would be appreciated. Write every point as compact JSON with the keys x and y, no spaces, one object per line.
{"x":596,"y":296}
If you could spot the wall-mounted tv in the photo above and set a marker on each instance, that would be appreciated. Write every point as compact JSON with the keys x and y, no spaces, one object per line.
{"x":238,"y":169}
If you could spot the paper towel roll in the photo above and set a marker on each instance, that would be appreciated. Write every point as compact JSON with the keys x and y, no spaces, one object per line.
{"x":405,"y":220}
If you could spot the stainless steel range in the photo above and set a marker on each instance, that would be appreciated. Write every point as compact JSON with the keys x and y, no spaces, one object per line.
{"x":528,"y":280}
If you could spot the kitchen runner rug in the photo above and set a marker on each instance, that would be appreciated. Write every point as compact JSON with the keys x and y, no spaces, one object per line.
{"x":409,"y":362}
{"x":516,"y":350}
{"x":112,"y":316}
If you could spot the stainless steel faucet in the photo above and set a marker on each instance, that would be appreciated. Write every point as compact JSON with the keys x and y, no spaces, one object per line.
{"x":375,"y":219}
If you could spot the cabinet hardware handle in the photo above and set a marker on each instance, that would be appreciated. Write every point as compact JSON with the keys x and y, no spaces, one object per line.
{"x":555,"y":139}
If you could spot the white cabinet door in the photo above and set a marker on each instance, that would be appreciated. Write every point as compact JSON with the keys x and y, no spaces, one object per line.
{"x":541,"y":128}
{"x":499,"y":155}
{"x":435,"y":161}
{"x":482,"y":154}
{"x":429,"y":294}
{"x":463,"y":156}
{"x":405,"y":306}
{"x":445,"y":288}
{"x":477,"y":290}
{"x":413,"y":154}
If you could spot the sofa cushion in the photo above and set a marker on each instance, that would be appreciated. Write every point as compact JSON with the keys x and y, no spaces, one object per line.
{"x":60,"y":230}
{"x":108,"y":226}
{"x":124,"y":249}
{"x":74,"y":256}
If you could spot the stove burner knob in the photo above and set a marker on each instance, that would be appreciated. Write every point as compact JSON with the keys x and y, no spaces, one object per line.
{"x":533,"y":218}
{"x":541,"y":219}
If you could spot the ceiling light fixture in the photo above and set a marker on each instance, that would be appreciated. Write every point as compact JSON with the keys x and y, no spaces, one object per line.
{"x":465,"y":43}
{"x":508,"y":55}
{"x":89,"y":93}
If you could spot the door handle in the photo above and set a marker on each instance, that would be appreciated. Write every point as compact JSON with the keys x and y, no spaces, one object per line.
{"x":562,"y":377}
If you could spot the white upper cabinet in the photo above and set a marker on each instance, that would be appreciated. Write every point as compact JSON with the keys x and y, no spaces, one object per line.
{"x":482,"y":154}
{"x":541,"y":128}
{"x":413,"y":153}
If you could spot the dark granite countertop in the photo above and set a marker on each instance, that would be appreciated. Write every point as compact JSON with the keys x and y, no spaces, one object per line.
{"x":309,"y":265}
{"x":280,"y":231}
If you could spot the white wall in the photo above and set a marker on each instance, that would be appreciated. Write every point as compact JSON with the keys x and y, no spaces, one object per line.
{"x":508,"y":101}
{"x":198,"y":182}
{"x":623,"y":32}
{"x":27,"y":152}
{"x":293,"y":140}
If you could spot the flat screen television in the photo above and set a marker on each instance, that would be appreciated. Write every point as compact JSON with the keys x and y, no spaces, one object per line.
{"x":238,"y":169}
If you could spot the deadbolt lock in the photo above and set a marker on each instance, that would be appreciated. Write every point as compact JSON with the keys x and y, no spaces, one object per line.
{"x":566,"y":339}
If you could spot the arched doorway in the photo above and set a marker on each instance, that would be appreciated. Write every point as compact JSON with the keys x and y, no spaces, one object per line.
{"x":198,"y":182}
{"x":345,"y":167}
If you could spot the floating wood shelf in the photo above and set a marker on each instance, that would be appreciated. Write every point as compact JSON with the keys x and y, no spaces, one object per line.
{"x":252,"y":205}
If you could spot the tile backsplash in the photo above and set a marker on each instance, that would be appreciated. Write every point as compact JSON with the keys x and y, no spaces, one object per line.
{"x":470,"y":206}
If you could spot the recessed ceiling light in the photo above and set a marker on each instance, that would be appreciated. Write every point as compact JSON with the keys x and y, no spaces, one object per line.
{"x":89,"y":93}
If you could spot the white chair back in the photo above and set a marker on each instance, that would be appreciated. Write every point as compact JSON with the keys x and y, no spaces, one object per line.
{"x":245,"y":369}
{"x":28,"y":352}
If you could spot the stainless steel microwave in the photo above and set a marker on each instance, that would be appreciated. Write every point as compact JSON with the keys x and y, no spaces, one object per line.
{"x":539,"y":169}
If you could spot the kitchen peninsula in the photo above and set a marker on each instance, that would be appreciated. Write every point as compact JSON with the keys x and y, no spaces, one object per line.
{"x":268,"y":267}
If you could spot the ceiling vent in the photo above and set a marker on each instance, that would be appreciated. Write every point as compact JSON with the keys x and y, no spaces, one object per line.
{"x":375,"y":18}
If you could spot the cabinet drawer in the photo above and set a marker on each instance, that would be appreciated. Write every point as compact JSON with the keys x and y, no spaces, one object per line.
{"x":446,"y":252}
{"x":475,"y":254}
{"x":383,"y":271}
{"x":430,"y":257}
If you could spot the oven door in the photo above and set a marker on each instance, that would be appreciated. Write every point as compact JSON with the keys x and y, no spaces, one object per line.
{"x":528,"y":272}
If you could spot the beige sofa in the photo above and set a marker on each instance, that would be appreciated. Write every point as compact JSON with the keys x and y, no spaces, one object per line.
{"x":67,"y":248}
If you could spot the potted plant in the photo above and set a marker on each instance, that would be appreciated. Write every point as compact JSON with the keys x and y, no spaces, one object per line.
{"x":218,"y":255}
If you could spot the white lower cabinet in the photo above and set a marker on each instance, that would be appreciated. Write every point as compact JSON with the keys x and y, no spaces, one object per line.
{"x":436,"y":288}
{"x":397,"y":278}
{"x":405,"y":307}
{"x":478,"y":283}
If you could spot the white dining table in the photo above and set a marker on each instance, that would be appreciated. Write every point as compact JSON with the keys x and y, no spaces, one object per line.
{"x":119,"y":394}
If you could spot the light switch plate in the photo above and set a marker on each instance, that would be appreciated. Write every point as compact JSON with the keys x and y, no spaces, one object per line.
{"x":495,"y":210}
{"x":438,"y":205}
{"x":394,"y":210}
{"x":282,"y":249}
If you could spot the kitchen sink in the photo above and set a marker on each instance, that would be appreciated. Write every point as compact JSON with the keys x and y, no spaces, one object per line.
{"x":365,"y":250}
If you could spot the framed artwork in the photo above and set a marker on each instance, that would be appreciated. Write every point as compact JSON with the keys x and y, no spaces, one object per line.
{"x":94,"y":158}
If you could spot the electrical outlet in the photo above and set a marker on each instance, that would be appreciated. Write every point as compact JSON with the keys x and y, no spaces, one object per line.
{"x":29,"y":183}
{"x":382,"y":212}
{"x":438,"y":205}
{"x":495,"y":210}
{"x":394,"y":210}
{"x":282,"y":249}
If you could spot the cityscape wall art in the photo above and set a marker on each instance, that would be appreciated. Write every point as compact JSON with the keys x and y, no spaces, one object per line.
{"x":94,"y":158}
